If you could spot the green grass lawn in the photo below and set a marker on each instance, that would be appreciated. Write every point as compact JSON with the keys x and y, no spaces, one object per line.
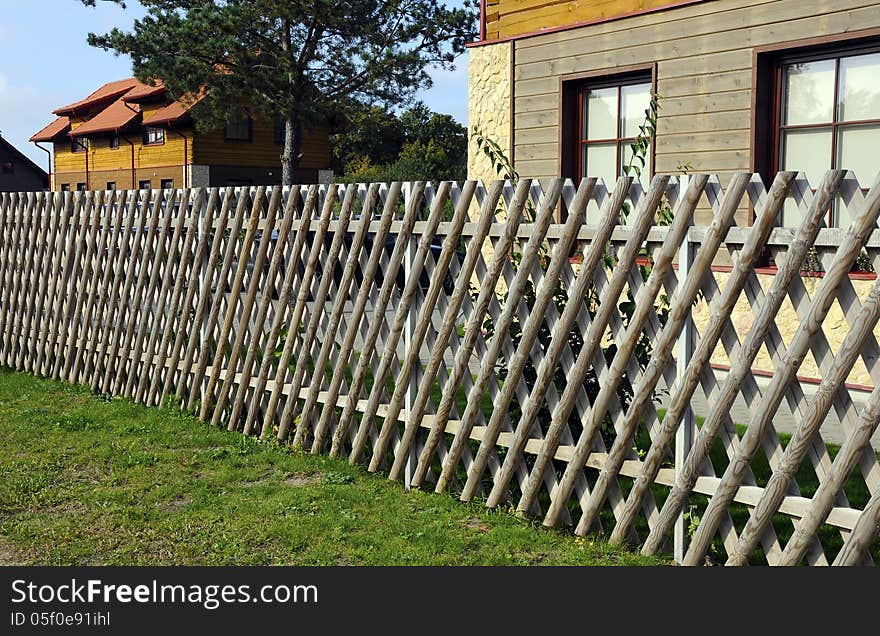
{"x":92,"y":481}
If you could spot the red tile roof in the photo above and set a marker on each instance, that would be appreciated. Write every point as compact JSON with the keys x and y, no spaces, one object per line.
{"x":172,"y":113}
{"x":53,"y":130}
{"x":115,"y":113}
{"x":115,"y":117}
{"x":106,"y":93}
{"x":145,"y":92}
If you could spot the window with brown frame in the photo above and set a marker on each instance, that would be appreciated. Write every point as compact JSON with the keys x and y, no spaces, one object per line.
{"x":154,"y":136}
{"x":610,"y":113}
{"x":79,"y":144}
{"x":824,"y":113}
{"x":600,"y":119}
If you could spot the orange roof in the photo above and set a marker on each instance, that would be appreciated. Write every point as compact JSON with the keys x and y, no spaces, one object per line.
{"x":144,"y":92}
{"x":116,"y":116}
{"x":106,"y":93}
{"x":53,"y":130}
{"x":172,"y":113}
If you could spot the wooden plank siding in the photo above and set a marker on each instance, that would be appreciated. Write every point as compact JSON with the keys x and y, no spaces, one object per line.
{"x":98,"y":180}
{"x":102,"y":157}
{"x":212,"y":149}
{"x":704,"y":55}
{"x":167,"y":160}
{"x":509,"y":18}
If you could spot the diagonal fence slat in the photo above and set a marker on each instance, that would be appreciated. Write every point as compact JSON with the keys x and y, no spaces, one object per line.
{"x":742,"y":366}
{"x":487,"y":339}
{"x":684,"y":391}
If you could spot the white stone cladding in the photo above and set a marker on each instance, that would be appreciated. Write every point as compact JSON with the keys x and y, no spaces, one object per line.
{"x":489,"y":108}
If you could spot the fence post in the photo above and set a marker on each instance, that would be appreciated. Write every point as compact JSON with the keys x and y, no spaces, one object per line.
{"x":684,"y":437}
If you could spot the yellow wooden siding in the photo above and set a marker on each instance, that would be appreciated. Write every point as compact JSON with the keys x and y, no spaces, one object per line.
{"x":169,"y":153}
{"x":509,"y":18}
{"x":165,"y":160}
{"x":122,"y":179}
{"x":66,"y":161}
{"x":148,"y":110}
{"x":102,"y":157}
{"x":704,"y":55}
{"x":212,"y":149}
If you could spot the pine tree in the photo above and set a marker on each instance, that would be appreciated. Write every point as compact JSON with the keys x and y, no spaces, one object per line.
{"x":294,"y":59}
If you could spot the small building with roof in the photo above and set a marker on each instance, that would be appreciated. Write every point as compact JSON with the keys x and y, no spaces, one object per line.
{"x":18,"y":173}
{"x":131,"y":135}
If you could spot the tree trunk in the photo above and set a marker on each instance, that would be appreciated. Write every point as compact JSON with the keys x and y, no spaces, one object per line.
{"x":293,"y":127}
{"x":290,"y":159}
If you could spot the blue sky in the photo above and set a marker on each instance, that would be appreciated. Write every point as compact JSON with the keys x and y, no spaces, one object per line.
{"x":45,"y":63}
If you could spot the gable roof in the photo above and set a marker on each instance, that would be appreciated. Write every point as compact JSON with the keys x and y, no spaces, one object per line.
{"x":106,"y":93}
{"x":23,"y":158}
{"x":145,"y":92}
{"x":115,"y":117}
{"x":114,"y":99}
{"x":53,"y":130}
{"x":173,"y":113}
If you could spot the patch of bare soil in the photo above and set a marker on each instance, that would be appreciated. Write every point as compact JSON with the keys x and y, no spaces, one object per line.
{"x":7,"y":554}
{"x":300,"y":479}
{"x":476,"y":524}
{"x":297,"y":480}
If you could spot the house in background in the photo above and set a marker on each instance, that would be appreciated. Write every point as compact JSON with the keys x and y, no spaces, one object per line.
{"x":750,"y":85}
{"x":130,"y":135}
{"x":18,"y":173}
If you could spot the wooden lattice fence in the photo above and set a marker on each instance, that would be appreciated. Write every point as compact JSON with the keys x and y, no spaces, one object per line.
{"x":487,"y":341}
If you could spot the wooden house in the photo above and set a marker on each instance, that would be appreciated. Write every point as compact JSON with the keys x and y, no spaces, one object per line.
{"x":130,"y":135}
{"x":756,"y":85}
{"x":18,"y":173}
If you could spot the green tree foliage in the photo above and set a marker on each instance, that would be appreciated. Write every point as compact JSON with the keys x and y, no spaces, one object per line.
{"x":370,"y":132}
{"x":297,"y":59}
{"x":376,"y":145}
